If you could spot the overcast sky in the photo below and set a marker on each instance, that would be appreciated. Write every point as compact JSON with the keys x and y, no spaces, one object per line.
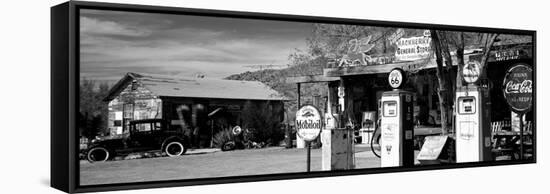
{"x":113,"y":43}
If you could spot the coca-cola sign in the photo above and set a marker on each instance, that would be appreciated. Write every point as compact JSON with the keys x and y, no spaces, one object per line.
{"x":518,"y":87}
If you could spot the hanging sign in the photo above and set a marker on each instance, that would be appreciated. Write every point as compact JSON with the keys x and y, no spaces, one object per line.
{"x":471,"y":71}
{"x":414,"y":48}
{"x":396,"y":77}
{"x":518,"y":87}
{"x":308,"y":122}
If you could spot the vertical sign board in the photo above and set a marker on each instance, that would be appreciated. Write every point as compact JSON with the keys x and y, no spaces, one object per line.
{"x":431,"y":149}
{"x":518,"y":91}
{"x":308,"y":126}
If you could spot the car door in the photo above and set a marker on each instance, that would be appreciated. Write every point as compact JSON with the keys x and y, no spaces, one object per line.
{"x":141,"y":138}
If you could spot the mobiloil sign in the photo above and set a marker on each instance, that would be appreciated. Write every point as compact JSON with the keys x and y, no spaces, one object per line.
{"x":308,"y":122}
{"x":308,"y":127}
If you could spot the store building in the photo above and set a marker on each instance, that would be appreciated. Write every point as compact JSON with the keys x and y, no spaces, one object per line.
{"x":211,"y":105}
{"x":354,"y":90}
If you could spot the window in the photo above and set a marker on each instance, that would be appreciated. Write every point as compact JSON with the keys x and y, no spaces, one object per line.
{"x":143,"y":127}
{"x":466,"y":105}
{"x":117,"y":123}
{"x":390,"y":108}
{"x":157,"y":126}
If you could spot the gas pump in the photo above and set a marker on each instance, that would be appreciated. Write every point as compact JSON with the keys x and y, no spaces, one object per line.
{"x":397,"y":143}
{"x":472,"y":105}
{"x":337,"y":151}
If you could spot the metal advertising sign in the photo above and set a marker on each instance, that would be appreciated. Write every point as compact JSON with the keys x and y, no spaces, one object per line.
{"x":396,"y":77}
{"x":518,"y":87}
{"x":471,"y":72}
{"x":308,"y":122}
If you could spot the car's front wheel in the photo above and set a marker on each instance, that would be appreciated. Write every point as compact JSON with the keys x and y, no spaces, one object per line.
{"x":98,"y":154}
{"x":174,"y":148}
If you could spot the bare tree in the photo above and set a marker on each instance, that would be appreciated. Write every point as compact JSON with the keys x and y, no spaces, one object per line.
{"x":443,"y":90}
{"x":443,"y":42}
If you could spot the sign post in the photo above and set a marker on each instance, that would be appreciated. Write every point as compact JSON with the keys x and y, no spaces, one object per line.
{"x":308,"y":126}
{"x":518,"y":91}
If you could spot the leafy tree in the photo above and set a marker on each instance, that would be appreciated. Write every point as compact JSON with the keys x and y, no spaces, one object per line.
{"x":93,"y":110}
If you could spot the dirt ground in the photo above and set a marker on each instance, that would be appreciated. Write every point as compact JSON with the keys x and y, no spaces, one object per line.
{"x":217,"y":164}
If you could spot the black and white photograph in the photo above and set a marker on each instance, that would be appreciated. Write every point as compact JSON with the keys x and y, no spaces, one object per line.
{"x":178,"y":97}
{"x":274,"y":96}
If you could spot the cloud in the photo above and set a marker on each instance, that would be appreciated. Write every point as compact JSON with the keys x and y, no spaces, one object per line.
{"x":110,"y":47}
{"x":99,"y":27}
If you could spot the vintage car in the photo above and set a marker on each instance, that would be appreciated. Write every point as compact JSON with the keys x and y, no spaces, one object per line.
{"x":143,"y":135}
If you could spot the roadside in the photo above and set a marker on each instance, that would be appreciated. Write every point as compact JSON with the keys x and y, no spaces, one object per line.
{"x":203,"y":164}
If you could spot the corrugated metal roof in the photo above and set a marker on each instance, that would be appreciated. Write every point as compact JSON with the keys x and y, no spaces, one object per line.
{"x":169,"y":86}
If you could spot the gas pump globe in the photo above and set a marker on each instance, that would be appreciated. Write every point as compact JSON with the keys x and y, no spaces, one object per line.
{"x":397,"y":123}
{"x":472,"y":105}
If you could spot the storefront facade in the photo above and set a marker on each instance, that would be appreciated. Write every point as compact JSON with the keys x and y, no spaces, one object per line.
{"x":363,"y":85}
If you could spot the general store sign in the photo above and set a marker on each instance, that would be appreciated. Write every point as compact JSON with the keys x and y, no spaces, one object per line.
{"x":308,"y":122}
{"x":414,"y":48}
{"x":518,"y":87}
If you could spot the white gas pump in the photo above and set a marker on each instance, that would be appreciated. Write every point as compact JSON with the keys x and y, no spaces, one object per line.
{"x":337,"y":150}
{"x":472,"y":105}
{"x":397,"y":124}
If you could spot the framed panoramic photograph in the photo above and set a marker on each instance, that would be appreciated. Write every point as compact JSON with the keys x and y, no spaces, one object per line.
{"x":147,"y":96}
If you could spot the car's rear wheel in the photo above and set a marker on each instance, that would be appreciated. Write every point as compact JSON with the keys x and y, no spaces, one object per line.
{"x":98,"y":154}
{"x":174,"y":148}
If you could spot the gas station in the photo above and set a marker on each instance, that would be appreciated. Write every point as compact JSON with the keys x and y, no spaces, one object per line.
{"x":395,"y":108}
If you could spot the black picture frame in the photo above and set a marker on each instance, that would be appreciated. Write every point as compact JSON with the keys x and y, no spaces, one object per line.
{"x":65,"y":79}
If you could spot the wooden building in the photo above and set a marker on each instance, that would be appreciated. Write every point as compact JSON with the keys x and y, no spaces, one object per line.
{"x":186,"y":102}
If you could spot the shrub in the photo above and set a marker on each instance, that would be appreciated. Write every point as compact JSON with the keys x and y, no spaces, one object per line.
{"x":263,"y":120}
{"x":222,"y":137}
